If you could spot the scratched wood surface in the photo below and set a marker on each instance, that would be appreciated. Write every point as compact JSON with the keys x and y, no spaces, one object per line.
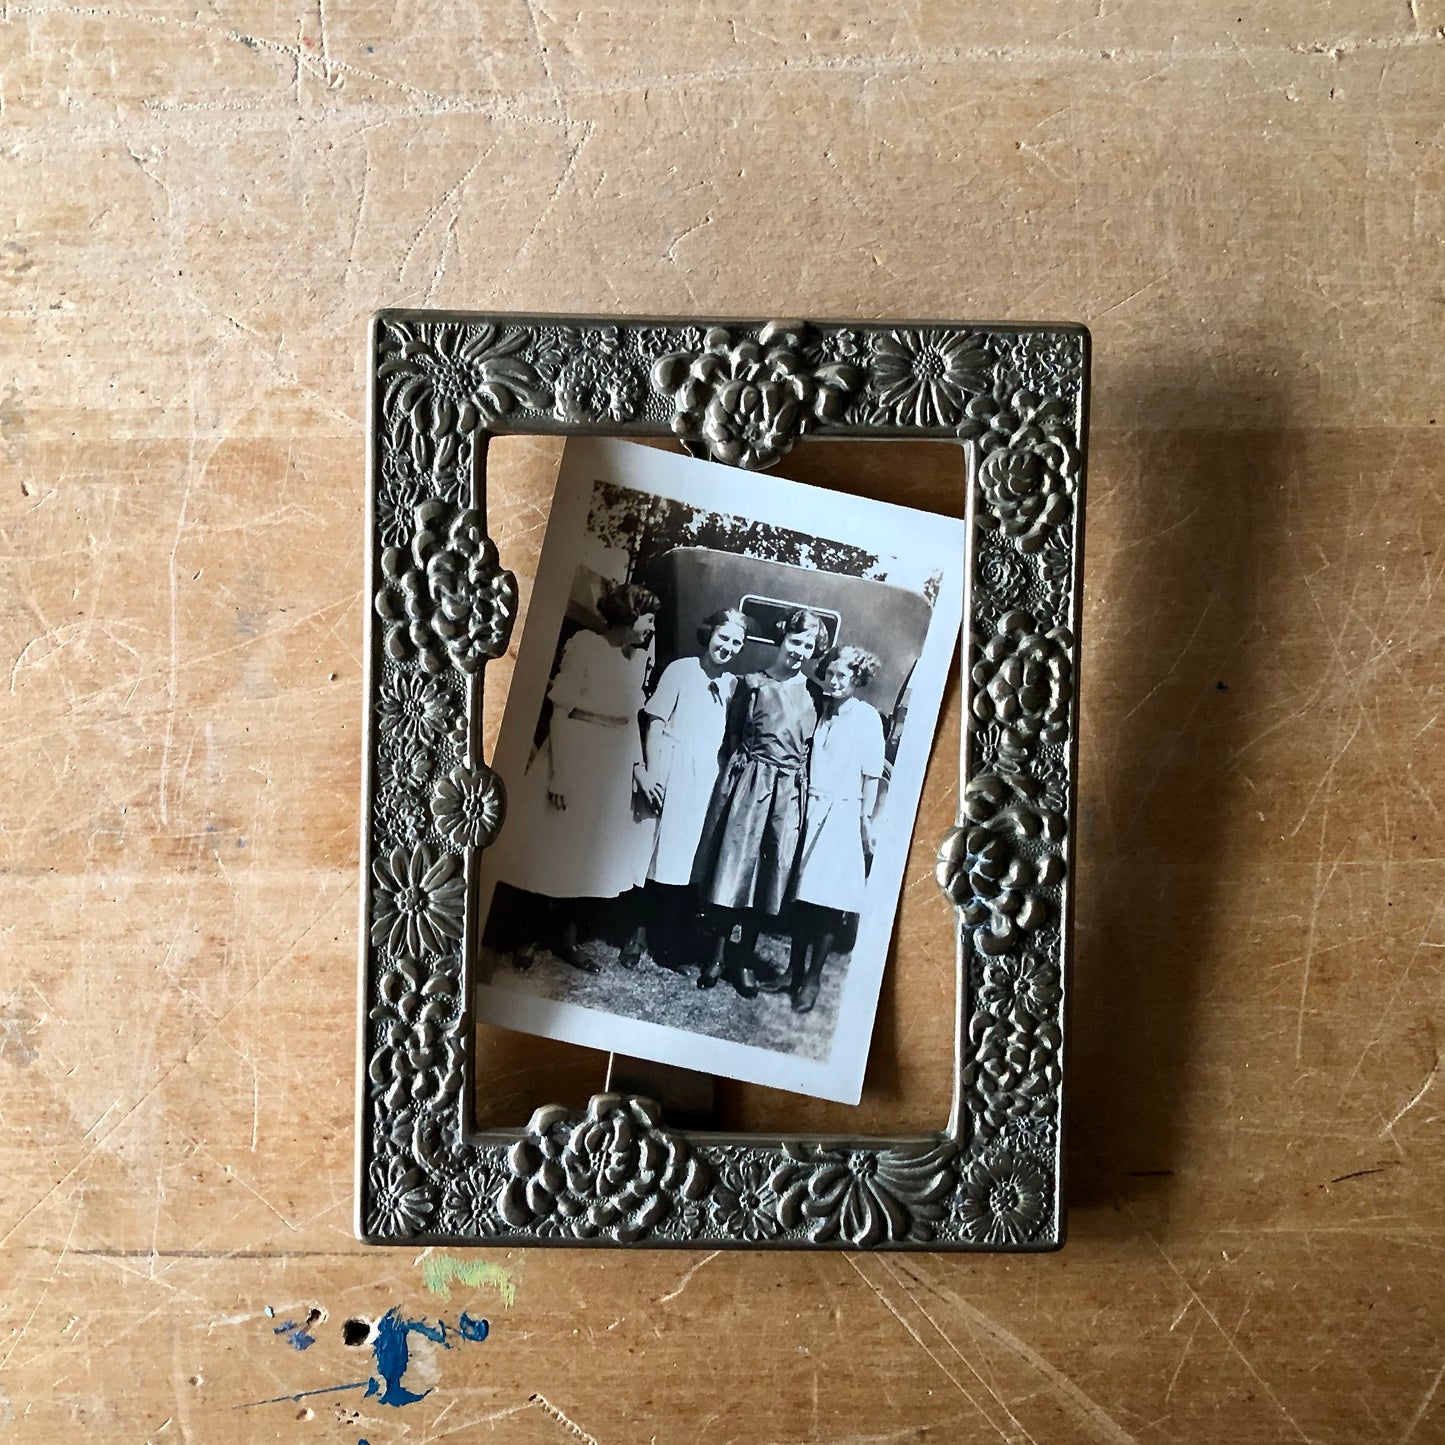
{"x":203,"y":203}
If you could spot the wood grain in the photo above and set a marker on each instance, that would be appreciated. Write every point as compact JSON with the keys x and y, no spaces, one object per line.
{"x":203,"y":205}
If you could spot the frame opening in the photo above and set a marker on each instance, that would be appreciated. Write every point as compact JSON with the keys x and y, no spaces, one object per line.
{"x":908,"y":1084}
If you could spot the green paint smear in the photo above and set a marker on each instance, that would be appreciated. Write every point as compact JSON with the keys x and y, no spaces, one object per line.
{"x":439,"y":1270}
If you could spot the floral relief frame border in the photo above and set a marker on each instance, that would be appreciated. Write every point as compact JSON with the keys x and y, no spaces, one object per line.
{"x":440,"y":605}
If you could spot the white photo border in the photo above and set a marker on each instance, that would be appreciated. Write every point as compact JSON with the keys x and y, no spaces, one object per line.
{"x":743,"y":392}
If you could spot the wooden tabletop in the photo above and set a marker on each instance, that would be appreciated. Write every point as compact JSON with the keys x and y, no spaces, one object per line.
{"x":203,"y":205}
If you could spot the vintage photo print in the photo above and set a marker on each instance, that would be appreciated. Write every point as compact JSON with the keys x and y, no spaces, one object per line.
{"x":713,"y":751}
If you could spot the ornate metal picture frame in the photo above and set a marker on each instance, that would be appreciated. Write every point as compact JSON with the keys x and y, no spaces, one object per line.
{"x":441,"y":604}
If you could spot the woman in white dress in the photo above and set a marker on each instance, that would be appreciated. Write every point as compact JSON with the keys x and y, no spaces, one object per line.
{"x":845,"y":765}
{"x":573,"y":832}
{"x":684,"y":722}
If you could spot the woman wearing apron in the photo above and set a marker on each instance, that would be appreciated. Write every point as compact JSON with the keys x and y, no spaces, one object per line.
{"x":844,"y":769}
{"x":684,"y":724}
{"x":573,"y":834}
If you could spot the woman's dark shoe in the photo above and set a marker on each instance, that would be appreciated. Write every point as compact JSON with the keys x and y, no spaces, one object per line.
{"x":807,"y":993}
{"x":790,"y":980}
{"x":745,"y":981}
{"x":577,"y":960}
{"x":711,"y":971}
{"x":630,"y":954}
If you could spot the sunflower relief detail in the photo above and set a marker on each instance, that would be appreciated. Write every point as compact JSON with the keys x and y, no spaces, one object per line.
{"x":443,"y":381}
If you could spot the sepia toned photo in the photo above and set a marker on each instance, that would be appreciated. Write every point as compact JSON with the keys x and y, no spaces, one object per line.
{"x":713,"y":752}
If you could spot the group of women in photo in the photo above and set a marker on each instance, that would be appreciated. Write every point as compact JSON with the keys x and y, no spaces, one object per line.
{"x":687,"y":818}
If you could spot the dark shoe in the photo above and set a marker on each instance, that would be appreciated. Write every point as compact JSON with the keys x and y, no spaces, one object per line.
{"x":711,"y":972}
{"x":577,"y":960}
{"x":630,"y":954}
{"x":745,"y":981}
{"x":807,"y":995}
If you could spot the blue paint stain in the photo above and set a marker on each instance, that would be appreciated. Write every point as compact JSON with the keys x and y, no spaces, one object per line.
{"x":392,"y":1352}
{"x":296,"y":1335}
{"x":303,"y":1395}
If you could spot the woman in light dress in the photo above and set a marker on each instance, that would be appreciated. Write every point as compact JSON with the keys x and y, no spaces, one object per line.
{"x":574,"y":834}
{"x":844,"y":768}
{"x":750,"y":840}
{"x":684,"y":722}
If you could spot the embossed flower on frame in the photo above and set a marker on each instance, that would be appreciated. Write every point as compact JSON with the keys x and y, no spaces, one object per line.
{"x":865,"y":1196}
{"x":418,"y":1053}
{"x":989,"y":883}
{"x":997,"y":865}
{"x":401,"y":1202}
{"x":432,"y":1136}
{"x":556,"y":346}
{"x":449,"y":599}
{"x":1027,"y":983}
{"x":470,"y":1203}
{"x":745,"y":422}
{"x":403,"y":774}
{"x":1056,"y":566}
{"x":1030,"y":1135}
{"x":1029,"y":465}
{"x":1001,"y":574}
{"x":1013,"y":1069}
{"x":1053,"y":783}
{"x":1047,"y":364}
{"x":614,"y":1172}
{"x":1024,"y":499}
{"x":750,"y":401}
{"x":653,"y":342}
{"x":446,"y":377}
{"x":469,"y":805}
{"x":594,"y":378}
{"x":744,"y":1203}
{"x":689,"y":1218}
{"x":404,"y":487}
{"x":996,"y":750}
{"x":593,"y":387}
{"x":417,"y":901}
{"x":1003,"y":1198}
{"x":596,"y":340}
{"x":924,"y":377}
{"x":413,"y":709}
{"x":843,"y":344}
{"x":475,"y":599}
{"x":1024,"y":679}
{"x":404,"y":769}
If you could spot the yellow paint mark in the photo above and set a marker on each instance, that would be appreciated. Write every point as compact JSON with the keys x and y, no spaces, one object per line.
{"x":438,"y":1271}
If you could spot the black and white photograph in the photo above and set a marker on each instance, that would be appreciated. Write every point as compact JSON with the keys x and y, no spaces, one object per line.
{"x":713,"y":750}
